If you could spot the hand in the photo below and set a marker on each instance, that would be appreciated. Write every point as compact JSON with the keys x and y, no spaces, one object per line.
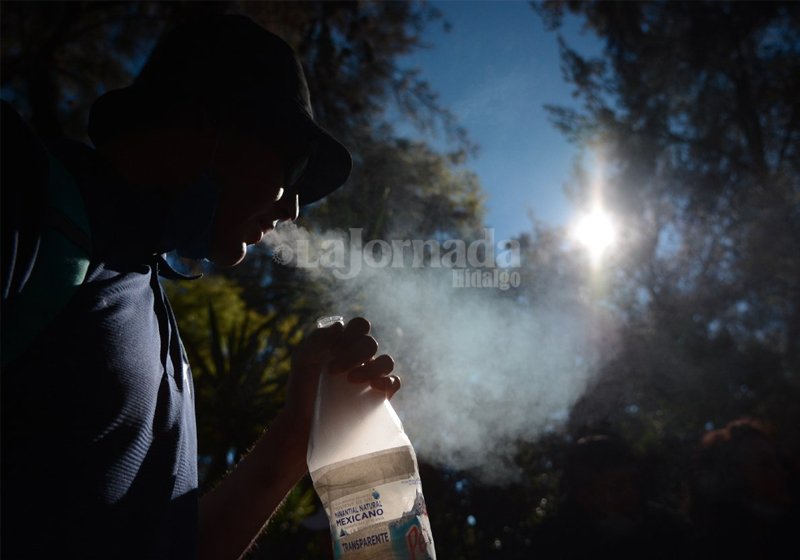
{"x":353,"y":354}
{"x":347,"y":351}
{"x":236,"y":510}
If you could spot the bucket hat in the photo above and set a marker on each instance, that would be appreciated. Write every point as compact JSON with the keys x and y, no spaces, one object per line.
{"x":232,"y":60}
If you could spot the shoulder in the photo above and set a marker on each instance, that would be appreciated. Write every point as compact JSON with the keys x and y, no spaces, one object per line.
{"x":36,"y":174}
{"x":46,"y":237}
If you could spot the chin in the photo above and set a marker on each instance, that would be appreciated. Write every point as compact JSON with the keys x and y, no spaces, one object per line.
{"x":229,"y":256}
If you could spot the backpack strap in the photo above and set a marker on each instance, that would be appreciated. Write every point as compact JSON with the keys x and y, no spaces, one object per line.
{"x":62,"y":262}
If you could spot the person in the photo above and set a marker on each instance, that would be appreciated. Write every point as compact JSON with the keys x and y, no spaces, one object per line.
{"x":210,"y":147}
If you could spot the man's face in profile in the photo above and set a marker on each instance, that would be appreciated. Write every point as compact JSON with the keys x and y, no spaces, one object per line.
{"x":253,"y":195}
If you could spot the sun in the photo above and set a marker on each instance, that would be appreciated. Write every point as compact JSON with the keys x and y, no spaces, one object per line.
{"x":596,"y":232}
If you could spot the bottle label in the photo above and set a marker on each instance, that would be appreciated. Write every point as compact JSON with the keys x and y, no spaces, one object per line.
{"x":384,"y":520}
{"x":362,"y":509}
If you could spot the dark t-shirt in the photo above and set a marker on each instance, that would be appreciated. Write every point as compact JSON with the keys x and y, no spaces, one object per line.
{"x":99,"y":447}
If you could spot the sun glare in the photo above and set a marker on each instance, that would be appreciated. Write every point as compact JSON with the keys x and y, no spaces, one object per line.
{"x":596,"y":232}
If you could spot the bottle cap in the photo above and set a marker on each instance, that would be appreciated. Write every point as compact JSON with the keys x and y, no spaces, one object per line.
{"x":325,"y":322}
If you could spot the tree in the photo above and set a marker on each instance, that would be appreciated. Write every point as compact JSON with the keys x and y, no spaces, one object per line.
{"x":694,"y":107}
{"x":724,"y":180}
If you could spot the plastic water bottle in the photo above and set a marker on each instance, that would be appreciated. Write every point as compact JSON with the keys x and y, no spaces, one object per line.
{"x":365,"y":472}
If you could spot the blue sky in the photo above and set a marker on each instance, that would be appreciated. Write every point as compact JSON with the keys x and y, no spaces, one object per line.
{"x":495,"y":70}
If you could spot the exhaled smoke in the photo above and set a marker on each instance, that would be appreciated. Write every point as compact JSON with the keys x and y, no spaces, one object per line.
{"x":482,"y":367}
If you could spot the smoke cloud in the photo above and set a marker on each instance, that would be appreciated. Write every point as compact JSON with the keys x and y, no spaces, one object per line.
{"x":482,"y":368}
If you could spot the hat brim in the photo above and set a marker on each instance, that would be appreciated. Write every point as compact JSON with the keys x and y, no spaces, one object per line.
{"x":127,"y":109}
{"x":329,"y":167}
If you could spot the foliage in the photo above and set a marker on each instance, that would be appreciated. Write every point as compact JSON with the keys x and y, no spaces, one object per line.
{"x":240,"y":365}
{"x":406,"y":189}
{"x":723,"y":182}
{"x":707,"y":199}
{"x":693,"y":109}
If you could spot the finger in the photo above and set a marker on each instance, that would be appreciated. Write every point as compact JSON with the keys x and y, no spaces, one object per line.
{"x":389,"y":385}
{"x":333,"y":331}
{"x":360,"y":352}
{"x":380,"y":366}
{"x":355,"y":330}
{"x":327,"y":337}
